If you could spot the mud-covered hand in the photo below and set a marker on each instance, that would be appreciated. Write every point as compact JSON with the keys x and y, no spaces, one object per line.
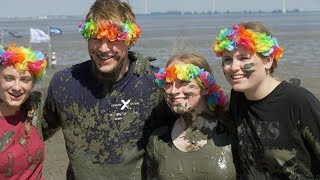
{"x":142,"y":63}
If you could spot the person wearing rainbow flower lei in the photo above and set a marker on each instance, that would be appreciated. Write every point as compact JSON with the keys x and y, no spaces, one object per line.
{"x":21,"y":145}
{"x":278,"y":123}
{"x":192,"y":147}
{"x":106,"y":111}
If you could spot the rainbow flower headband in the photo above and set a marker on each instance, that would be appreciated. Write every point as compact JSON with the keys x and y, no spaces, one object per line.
{"x":188,"y":72}
{"x":24,"y":59}
{"x":229,"y":38}
{"x":129,"y":34}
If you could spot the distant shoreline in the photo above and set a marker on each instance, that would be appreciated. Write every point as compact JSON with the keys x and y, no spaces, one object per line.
{"x":166,"y":13}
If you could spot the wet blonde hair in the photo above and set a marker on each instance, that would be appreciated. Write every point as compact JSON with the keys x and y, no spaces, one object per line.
{"x":114,"y":11}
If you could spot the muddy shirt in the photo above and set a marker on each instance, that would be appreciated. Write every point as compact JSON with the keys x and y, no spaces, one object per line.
{"x":20,"y":157}
{"x":165,"y":161}
{"x":278,"y":135}
{"x":106,"y":130}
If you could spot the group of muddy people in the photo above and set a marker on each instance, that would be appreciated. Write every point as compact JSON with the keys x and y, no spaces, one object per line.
{"x":123,"y":118}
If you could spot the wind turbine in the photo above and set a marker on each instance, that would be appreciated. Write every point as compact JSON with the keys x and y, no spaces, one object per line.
{"x":213,"y":6}
{"x":284,"y":6}
{"x":146,"y":7}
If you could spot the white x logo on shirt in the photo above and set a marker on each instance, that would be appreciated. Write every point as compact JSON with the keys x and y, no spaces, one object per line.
{"x":125,"y":104}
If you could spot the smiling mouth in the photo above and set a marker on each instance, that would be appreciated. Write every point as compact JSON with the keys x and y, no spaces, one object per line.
{"x":15,"y":95}
{"x":235,"y":77}
{"x":105,"y":58}
{"x":178,"y":100}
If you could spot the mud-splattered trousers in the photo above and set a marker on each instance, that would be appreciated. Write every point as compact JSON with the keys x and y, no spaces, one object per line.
{"x":105,"y":129}
{"x":279,"y":135}
{"x":21,"y":153}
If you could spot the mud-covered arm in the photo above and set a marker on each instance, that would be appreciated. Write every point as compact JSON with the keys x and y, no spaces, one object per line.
{"x":52,"y":121}
{"x":151,"y":162}
{"x":309,"y":117}
{"x":141,"y":63}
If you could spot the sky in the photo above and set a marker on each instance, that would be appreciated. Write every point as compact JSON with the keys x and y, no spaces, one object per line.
{"x":30,"y":8}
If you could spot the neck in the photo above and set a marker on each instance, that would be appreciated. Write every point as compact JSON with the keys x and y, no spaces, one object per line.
{"x":197,"y":121}
{"x":263,"y":89}
{"x":5,"y":110}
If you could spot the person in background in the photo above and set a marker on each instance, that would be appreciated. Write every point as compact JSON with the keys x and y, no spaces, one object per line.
{"x":53,"y":60}
{"x":193,"y":147}
{"x":278,"y":123}
{"x":106,"y":106}
{"x":21,"y":145}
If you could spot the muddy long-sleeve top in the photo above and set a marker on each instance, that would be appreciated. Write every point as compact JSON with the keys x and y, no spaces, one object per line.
{"x":106,"y":130}
{"x":211,"y":162}
{"x":279,"y":135}
{"x":21,"y":151}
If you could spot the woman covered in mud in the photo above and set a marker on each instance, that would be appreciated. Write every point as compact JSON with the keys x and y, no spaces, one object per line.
{"x":192,"y":147}
{"x":21,"y":145}
{"x":278,"y":123}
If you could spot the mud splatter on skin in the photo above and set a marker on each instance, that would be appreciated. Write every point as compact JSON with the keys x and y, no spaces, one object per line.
{"x":194,"y":133}
{"x":109,"y":77}
{"x":247,"y":68}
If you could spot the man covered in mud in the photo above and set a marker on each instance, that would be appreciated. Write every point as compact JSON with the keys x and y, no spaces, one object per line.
{"x":106,"y":106}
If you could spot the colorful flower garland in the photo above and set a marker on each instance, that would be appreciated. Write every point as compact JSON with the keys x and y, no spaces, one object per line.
{"x":129,"y":34}
{"x":262,"y":43}
{"x":188,"y":72}
{"x":24,"y":59}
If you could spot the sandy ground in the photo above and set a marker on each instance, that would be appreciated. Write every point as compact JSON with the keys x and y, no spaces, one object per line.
{"x":56,"y":160}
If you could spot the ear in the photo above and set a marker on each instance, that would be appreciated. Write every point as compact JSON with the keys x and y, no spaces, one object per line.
{"x":268,"y":62}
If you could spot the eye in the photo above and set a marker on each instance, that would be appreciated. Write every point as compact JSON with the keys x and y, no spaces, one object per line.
{"x":227,"y":61}
{"x":184,"y":82}
{"x":8,"y":78}
{"x":167,"y":85}
{"x":244,"y":58}
{"x":26,"y":79}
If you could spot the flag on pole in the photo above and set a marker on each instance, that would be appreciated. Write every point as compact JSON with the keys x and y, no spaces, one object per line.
{"x":55,"y":31}
{"x":14,"y":34}
{"x":38,"y":36}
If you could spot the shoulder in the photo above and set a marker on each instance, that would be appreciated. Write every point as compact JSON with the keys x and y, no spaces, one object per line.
{"x":158,"y":141}
{"x":160,"y":134}
{"x":296,"y":94}
{"x":73,"y":72}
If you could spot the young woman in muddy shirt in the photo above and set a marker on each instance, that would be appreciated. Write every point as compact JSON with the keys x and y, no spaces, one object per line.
{"x":192,"y":147}
{"x":278,"y":123}
{"x":21,"y":145}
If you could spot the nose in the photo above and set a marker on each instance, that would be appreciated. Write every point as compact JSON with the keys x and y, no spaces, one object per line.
{"x":17,"y":86}
{"x":235,"y":65}
{"x":105,"y":45}
{"x":172,"y":88}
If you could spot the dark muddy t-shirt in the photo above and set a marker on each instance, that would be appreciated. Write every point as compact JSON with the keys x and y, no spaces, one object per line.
{"x":212,"y":161}
{"x":106,"y":130}
{"x":278,"y":135}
